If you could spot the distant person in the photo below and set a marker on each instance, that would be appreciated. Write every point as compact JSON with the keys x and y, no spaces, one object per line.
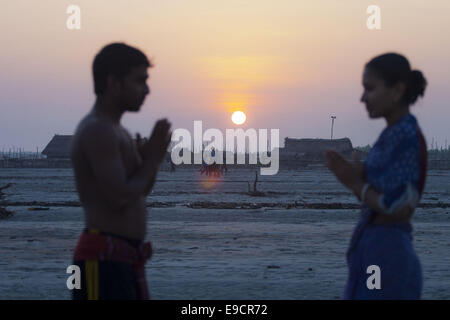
{"x":113,"y":176}
{"x":214,"y":167}
{"x":208,"y":168}
{"x":389,"y":185}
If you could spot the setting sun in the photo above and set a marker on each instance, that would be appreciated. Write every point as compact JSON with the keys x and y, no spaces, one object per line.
{"x":238,"y":117}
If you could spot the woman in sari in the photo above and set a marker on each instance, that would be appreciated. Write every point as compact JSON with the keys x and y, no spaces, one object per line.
{"x":389,"y":185}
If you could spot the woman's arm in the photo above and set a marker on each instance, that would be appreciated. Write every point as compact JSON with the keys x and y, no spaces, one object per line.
{"x":374,"y":200}
{"x":351,"y":175}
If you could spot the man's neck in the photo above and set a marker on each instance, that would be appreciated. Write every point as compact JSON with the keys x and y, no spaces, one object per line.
{"x":108,"y":108}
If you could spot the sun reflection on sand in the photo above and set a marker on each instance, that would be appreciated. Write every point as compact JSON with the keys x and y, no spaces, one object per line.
{"x":210,"y":182}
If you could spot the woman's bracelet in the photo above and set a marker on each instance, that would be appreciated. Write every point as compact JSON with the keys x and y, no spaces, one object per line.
{"x":364,"y":191}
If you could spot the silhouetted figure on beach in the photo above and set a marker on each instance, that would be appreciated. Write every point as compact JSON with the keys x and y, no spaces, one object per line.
{"x":213,"y":169}
{"x":389,"y":185}
{"x":114,"y":174}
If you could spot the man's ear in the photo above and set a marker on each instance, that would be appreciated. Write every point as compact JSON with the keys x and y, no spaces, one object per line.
{"x":113,"y":83}
{"x":399,"y":90}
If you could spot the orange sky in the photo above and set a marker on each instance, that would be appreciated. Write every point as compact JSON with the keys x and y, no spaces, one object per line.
{"x":287,"y":64}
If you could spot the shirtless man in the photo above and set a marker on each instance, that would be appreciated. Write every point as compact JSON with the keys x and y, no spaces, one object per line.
{"x":113,"y":177}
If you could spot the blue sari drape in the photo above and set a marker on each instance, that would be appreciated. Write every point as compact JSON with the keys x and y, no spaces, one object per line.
{"x":395,"y":167}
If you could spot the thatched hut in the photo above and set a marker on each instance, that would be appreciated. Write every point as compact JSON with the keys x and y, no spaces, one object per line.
{"x":312,"y":150}
{"x":315,"y":146}
{"x":58,"y":147}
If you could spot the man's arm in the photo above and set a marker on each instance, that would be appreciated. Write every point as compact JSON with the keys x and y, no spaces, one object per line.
{"x":151,"y":181}
{"x":154,"y":159}
{"x":101,"y":148}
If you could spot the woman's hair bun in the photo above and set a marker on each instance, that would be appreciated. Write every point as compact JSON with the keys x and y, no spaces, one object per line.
{"x":417,"y":86}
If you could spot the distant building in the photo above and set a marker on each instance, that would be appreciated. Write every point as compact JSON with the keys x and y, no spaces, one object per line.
{"x":317,"y":146}
{"x":304,"y":151}
{"x":295,"y":151}
{"x":58,"y":147}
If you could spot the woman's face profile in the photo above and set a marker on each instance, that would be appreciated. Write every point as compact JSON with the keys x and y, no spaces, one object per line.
{"x":377,"y":97}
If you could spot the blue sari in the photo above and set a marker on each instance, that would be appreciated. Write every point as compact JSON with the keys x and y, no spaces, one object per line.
{"x":395,"y":167}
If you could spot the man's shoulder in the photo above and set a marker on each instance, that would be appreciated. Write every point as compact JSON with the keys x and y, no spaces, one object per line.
{"x":92,"y":133}
{"x":92,"y":127}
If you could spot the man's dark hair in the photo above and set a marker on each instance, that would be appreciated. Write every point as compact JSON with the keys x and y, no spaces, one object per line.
{"x":393,"y":68}
{"x":116,"y":59}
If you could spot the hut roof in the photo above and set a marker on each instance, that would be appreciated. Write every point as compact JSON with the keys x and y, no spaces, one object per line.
{"x":316,"y":146}
{"x":58,"y":147}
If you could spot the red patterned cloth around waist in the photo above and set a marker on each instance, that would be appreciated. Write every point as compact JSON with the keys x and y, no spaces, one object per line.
{"x":104,"y":247}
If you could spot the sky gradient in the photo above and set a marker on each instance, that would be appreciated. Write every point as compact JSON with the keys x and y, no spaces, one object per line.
{"x":286,"y":64}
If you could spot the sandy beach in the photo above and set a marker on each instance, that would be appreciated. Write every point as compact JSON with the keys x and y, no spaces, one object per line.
{"x":287,"y":250}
